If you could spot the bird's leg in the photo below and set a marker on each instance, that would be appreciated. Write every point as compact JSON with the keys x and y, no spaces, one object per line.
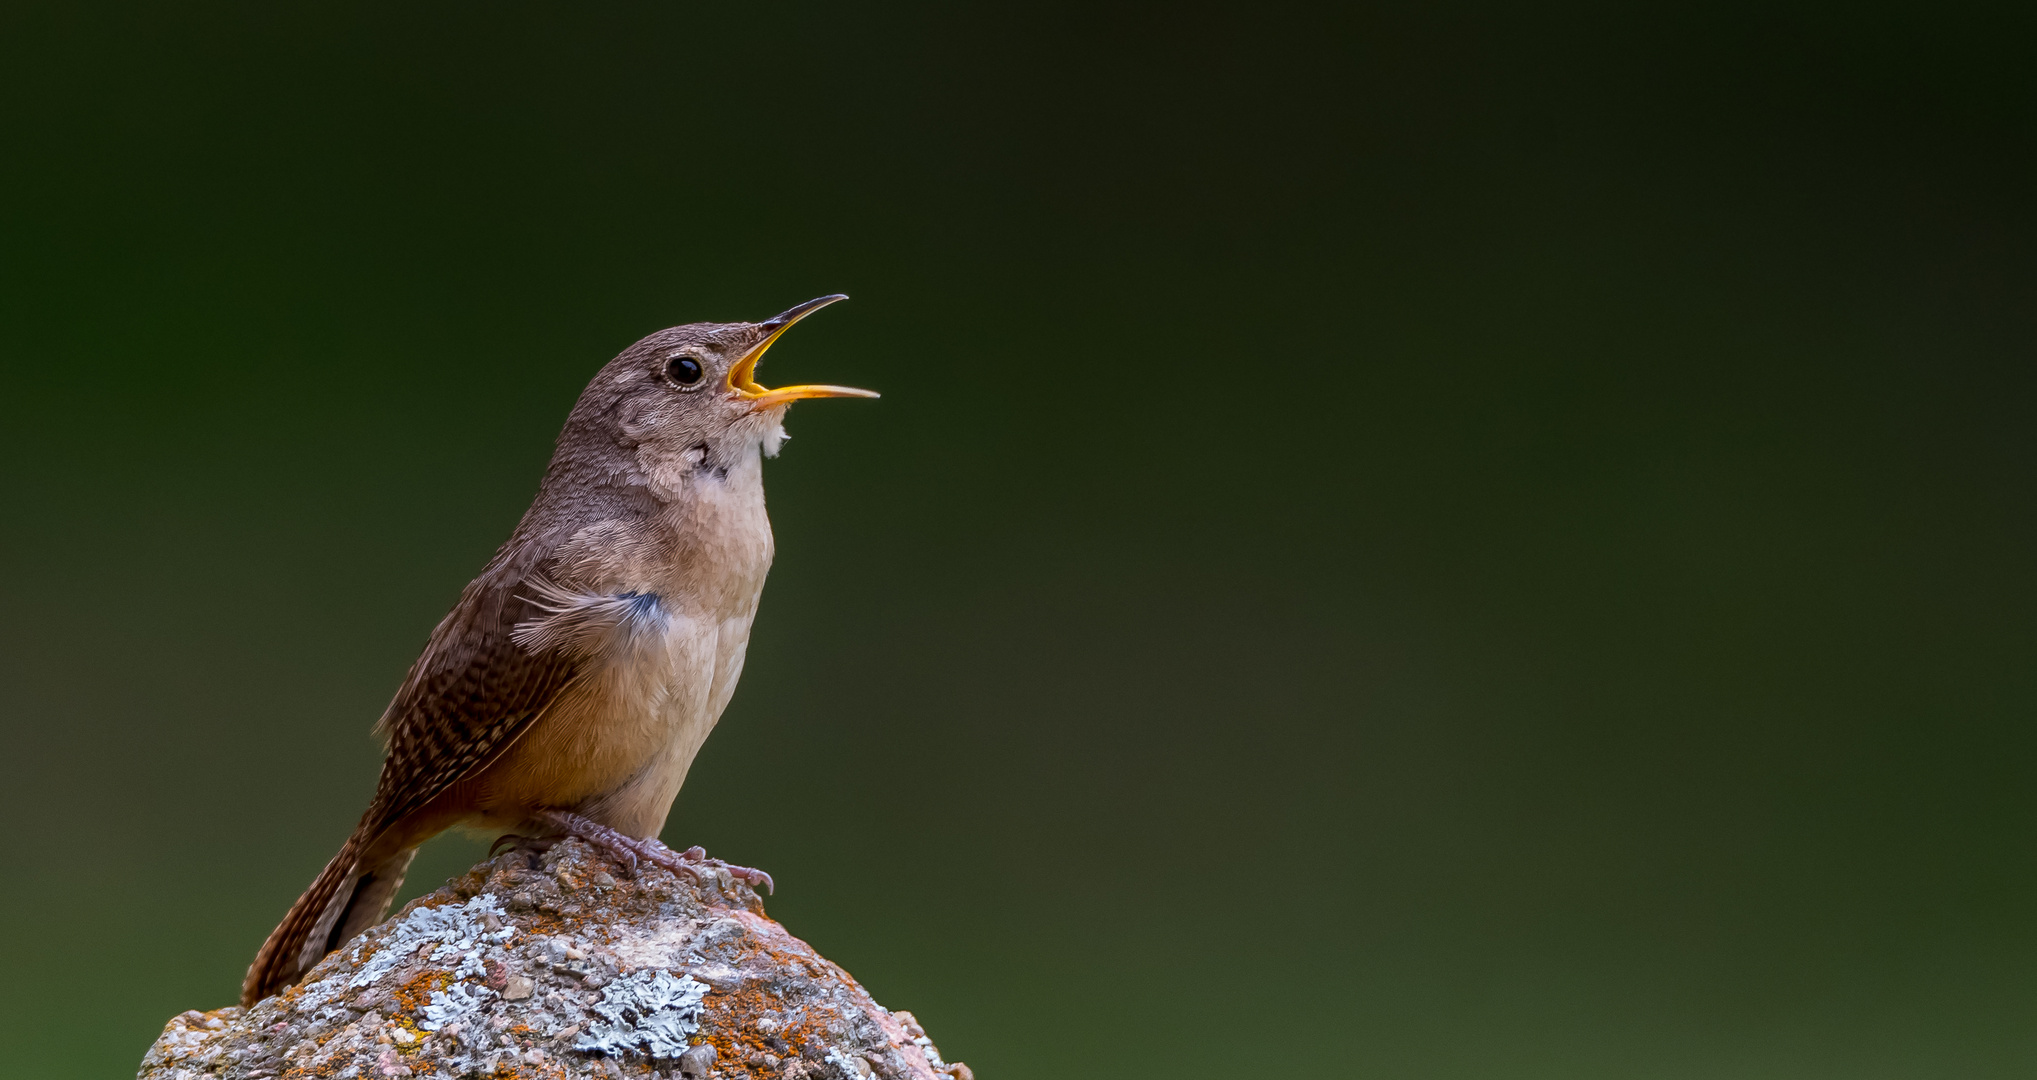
{"x":629,"y":849}
{"x":624,"y":849}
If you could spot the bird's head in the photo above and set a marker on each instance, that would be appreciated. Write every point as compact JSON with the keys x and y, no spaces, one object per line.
{"x":691,"y":394}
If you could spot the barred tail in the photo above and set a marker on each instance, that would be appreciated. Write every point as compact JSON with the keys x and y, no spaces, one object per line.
{"x":345,"y":899}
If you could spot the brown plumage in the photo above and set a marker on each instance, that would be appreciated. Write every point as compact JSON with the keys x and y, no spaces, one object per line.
{"x":574,"y":681}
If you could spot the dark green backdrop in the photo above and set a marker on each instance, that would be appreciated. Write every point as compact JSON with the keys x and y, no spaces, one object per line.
{"x":1459,"y":544}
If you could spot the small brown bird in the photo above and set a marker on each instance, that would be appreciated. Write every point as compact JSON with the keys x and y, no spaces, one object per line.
{"x":569,"y":689}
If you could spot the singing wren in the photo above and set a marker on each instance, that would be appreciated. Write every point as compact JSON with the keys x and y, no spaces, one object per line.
{"x":572,"y":684}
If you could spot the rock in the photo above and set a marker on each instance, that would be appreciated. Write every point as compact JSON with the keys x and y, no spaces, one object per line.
{"x":697,"y":1063}
{"x":565,"y":969}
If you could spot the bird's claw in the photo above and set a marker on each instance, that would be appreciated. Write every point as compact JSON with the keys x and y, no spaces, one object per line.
{"x":695,"y":857}
{"x":531,"y":846}
{"x":753,"y":877}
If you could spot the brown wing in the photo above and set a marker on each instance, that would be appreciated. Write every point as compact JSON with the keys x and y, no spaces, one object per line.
{"x":468,"y":697}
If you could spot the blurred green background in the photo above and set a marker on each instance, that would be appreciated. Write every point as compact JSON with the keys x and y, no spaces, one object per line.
{"x":1425,"y":542}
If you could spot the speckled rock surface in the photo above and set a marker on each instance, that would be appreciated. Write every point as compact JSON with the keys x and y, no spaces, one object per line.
{"x":571,"y":968}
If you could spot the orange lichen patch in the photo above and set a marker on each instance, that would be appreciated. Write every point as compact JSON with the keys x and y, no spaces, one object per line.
{"x":292,"y":993}
{"x":542,"y":925}
{"x":416,"y":993}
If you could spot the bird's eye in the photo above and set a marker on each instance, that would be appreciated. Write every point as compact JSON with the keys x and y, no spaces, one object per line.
{"x":683,"y":370}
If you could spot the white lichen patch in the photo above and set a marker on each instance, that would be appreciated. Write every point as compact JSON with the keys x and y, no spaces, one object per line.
{"x":649,"y":1011}
{"x":455,"y":1002}
{"x":458,"y":931}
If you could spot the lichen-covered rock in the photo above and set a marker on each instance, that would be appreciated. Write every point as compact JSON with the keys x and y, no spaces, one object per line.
{"x":567,"y":968}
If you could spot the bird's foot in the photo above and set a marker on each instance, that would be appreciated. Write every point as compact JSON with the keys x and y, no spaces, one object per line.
{"x":530,"y":846}
{"x":629,"y":850}
{"x":747,"y":874}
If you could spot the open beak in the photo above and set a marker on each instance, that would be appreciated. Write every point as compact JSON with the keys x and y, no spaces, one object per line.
{"x":743,"y":374}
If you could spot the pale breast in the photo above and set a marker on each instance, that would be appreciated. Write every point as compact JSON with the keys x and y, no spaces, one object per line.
{"x":641,"y":724}
{"x":617,"y":745}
